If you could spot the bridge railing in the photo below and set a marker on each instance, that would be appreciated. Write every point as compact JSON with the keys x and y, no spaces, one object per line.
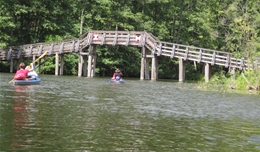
{"x":151,"y":42}
{"x":113,"y":38}
{"x":28,"y":50}
{"x":126,"y":38}
{"x":197,"y":54}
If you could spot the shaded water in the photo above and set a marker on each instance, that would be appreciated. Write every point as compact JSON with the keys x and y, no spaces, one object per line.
{"x":68,"y":113}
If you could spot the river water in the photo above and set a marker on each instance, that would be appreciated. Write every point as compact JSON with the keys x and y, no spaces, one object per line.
{"x":70,"y":113}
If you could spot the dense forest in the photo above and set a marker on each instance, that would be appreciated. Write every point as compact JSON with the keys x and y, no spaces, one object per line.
{"x":225,"y":25}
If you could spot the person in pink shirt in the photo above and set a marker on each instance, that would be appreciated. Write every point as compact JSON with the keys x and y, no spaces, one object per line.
{"x":21,"y":74}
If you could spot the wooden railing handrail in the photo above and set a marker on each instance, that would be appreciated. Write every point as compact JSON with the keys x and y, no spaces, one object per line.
{"x":127,"y":38}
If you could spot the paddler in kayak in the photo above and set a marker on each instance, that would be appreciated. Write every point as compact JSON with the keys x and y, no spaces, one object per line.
{"x":32,"y":75}
{"x":117,"y":75}
{"x":22,"y":73}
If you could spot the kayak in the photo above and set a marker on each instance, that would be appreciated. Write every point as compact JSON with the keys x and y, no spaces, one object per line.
{"x":37,"y":80}
{"x":116,"y":81}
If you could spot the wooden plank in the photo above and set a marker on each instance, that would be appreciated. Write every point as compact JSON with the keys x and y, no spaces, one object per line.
{"x":242,"y":64}
{"x":186,"y":53}
{"x":31,"y":49}
{"x":149,"y":56}
{"x":9,"y":56}
{"x":51,"y":49}
{"x":159,"y":50}
{"x":115,"y":39}
{"x":173,"y":51}
{"x":143,"y":40}
{"x":72,"y":46}
{"x":40,"y":50}
{"x":19,"y":53}
{"x":103,"y":39}
{"x":127,"y":38}
{"x":61,"y":48}
{"x":77,"y":47}
{"x":213,"y":58}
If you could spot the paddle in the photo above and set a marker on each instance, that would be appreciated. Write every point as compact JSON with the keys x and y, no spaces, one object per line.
{"x":34,"y":62}
{"x":39,"y":57}
{"x":40,"y":64}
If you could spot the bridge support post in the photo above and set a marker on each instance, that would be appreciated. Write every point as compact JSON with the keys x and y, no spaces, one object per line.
{"x":61,"y":64}
{"x":94,"y":60}
{"x":207,"y":72}
{"x":85,"y":65}
{"x":142,"y":64}
{"x":142,"y":68}
{"x":89,"y":65}
{"x":11,"y":65}
{"x":90,"y":61}
{"x":181,"y":70}
{"x":57,"y":63}
{"x":144,"y":71}
{"x":33,"y":60}
{"x":154,"y":72}
{"x":80,"y":65}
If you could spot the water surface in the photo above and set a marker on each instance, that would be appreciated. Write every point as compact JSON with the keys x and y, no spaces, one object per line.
{"x":69,"y":113}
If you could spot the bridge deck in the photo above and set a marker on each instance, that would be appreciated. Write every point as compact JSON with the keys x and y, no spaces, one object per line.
{"x":125,"y":38}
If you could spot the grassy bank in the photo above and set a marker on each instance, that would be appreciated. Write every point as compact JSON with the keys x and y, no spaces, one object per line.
{"x":245,"y":81}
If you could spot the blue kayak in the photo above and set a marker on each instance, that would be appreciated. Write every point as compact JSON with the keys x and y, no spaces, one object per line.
{"x":116,"y":81}
{"x":27,"y":82}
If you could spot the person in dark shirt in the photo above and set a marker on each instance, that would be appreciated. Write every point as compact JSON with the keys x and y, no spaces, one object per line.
{"x":117,"y":75}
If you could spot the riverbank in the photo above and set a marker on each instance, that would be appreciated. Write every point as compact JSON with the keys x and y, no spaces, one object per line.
{"x":246,"y":83}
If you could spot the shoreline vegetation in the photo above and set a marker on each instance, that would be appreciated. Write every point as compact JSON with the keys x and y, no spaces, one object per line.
{"x":241,"y":81}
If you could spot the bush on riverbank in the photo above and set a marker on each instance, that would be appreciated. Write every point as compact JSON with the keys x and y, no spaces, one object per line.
{"x":4,"y":67}
{"x":245,"y":80}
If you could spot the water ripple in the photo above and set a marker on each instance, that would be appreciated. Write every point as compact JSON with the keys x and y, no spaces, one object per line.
{"x":93,"y":115}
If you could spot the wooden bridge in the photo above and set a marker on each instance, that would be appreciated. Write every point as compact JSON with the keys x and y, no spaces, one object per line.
{"x":150,"y":46}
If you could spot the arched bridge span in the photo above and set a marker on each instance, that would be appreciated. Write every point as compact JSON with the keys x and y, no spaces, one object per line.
{"x":151,"y":48}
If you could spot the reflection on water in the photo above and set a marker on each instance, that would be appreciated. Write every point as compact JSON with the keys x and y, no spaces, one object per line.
{"x":19,"y":114}
{"x":22,"y":116}
{"x":68,"y":113}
